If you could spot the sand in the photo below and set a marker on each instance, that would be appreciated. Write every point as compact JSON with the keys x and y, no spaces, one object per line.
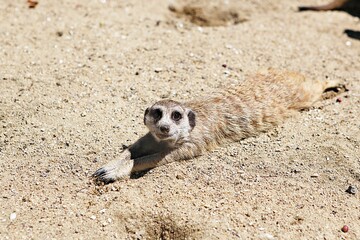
{"x":76,"y":77}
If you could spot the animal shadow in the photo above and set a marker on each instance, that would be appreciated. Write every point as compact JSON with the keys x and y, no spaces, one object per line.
{"x":352,"y":34}
{"x":350,"y":6}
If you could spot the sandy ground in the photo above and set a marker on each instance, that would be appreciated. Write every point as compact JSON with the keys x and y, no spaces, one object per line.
{"x":76,"y":77}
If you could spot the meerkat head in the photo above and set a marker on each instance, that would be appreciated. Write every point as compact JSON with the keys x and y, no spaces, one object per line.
{"x":169,"y":121}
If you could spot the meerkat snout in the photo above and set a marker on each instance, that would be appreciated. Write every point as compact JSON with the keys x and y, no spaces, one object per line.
{"x":164,"y":128}
{"x":169,"y":121}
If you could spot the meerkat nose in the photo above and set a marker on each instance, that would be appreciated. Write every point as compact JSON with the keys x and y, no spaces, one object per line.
{"x":165,"y":129}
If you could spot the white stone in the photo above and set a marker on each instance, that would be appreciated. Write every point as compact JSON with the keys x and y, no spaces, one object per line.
{"x":266,"y":236}
{"x":12,"y":216}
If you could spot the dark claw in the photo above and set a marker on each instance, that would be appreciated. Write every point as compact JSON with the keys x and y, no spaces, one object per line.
{"x":100,"y":172}
{"x":99,"y":176}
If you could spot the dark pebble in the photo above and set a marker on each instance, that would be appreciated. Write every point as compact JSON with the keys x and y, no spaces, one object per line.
{"x":351,"y":189}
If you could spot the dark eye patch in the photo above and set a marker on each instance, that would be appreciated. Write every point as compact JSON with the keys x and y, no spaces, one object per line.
{"x":176,"y":116}
{"x":156,"y":114}
{"x":192,"y":121}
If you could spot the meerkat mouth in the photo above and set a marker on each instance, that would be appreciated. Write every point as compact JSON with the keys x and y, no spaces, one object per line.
{"x":165,"y":137}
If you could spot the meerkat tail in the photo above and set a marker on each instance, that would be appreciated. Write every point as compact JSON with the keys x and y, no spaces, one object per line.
{"x":331,"y":88}
{"x":310,"y":91}
{"x":331,"y":84}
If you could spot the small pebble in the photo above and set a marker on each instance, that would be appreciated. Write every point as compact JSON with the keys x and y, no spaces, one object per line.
{"x":32,"y":3}
{"x":179,"y":176}
{"x":224,"y":65}
{"x":93,"y":217}
{"x":266,"y":236}
{"x":157,"y":70}
{"x":339,"y":100}
{"x":351,"y":189}
{"x":345,"y":228}
{"x":12,"y":216}
{"x":226,"y":72}
{"x":180,"y":25}
{"x":59,"y":33}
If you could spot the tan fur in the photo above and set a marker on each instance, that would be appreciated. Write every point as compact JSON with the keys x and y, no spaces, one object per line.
{"x":256,"y":105}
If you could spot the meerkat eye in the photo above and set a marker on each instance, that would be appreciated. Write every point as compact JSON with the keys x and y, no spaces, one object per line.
{"x":176,"y":116}
{"x":156,"y":114}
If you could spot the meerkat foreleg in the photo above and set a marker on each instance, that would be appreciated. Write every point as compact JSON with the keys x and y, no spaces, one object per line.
{"x":186,"y":151}
{"x":123,"y":165}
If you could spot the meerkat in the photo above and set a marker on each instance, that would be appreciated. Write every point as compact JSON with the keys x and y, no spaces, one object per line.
{"x":180,"y":131}
{"x":330,"y":6}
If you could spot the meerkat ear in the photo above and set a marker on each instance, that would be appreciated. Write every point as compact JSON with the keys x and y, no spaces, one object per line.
{"x":191,"y":117}
{"x":146,"y":112}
